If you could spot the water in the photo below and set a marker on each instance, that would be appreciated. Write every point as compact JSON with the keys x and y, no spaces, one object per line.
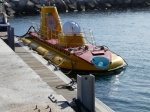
{"x":126,"y":33}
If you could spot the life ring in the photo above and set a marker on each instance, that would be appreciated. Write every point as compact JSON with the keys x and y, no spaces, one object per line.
{"x":51,"y":22}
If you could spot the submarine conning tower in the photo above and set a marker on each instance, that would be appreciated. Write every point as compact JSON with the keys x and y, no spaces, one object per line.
{"x":50,"y":23}
{"x":51,"y":28}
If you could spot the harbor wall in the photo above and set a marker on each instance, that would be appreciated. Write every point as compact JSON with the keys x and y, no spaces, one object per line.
{"x":14,"y":7}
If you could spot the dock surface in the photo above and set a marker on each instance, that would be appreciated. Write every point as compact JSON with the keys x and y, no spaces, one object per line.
{"x":22,"y":89}
{"x":49,"y":76}
{"x":26,"y":82}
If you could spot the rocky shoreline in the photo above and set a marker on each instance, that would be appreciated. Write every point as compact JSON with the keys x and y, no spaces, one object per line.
{"x":19,"y":7}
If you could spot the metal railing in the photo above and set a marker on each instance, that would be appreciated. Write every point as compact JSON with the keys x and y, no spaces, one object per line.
{"x":89,"y":36}
{"x":46,"y":33}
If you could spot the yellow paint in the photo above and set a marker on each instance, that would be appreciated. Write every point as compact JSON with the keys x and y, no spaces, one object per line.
{"x":45,"y":31}
{"x":63,"y":40}
{"x":26,"y":41}
{"x":72,"y":40}
{"x":70,"y":61}
{"x":59,"y":56}
{"x":41,"y":50}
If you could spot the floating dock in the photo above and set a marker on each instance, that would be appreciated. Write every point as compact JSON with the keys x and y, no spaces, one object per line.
{"x":28,"y":83}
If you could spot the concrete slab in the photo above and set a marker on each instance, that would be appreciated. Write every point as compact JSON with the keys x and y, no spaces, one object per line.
{"x":21,"y":89}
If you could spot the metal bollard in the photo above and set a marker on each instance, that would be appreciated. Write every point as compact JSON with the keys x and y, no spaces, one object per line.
{"x":10,"y":31}
{"x":86,"y":92}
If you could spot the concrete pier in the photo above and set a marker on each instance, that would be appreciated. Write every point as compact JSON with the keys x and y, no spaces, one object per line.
{"x":28,"y":84}
{"x":22,"y":89}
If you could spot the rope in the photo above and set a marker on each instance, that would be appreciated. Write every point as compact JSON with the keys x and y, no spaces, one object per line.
{"x":27,"y":32}
{"x":72,"y":66}
{"x":70,"y":86}
{"x":67,"y":73}
{"x":60,"y":63}
{"x":57,"y":66}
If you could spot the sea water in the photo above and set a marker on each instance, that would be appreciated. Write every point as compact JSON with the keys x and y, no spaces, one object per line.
{"x":125,"y":32}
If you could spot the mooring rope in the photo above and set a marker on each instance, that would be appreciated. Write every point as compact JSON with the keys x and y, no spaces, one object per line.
{"x":70,"y":86}
{"x":26,"y":32}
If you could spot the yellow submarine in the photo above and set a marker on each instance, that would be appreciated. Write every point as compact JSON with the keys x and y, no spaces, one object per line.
{"x":68,"y":48}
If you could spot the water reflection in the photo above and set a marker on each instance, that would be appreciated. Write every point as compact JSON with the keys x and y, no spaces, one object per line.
{"x":110,"y":77}
{"x":107,"y":76}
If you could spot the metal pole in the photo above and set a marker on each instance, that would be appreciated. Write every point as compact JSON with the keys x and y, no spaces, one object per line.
{"x":49,"y":3}
{"x":10,"y":31}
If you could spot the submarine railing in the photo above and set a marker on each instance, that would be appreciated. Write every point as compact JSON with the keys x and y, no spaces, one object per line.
{"x":88,"y":35}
